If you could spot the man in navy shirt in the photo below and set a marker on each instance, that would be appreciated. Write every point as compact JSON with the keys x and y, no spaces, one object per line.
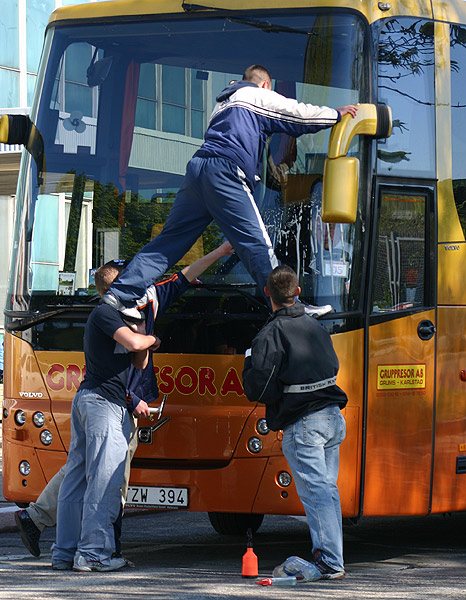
{"x":90,"y":495}
{"x":43,"y":512}
{"x":109,"y":365}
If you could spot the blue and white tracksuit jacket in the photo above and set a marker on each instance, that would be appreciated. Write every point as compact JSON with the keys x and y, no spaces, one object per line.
{"x":219,"y":182}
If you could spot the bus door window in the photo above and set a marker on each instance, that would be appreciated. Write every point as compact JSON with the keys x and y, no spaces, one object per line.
{"x":400,"y":278}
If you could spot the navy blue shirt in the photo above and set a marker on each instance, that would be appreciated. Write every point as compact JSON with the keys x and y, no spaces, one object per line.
{"x":107,"y":361}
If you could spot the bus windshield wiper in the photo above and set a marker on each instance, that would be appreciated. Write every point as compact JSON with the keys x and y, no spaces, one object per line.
{"x":190,"y":7}
{"x":26,"y":319}
{"x":267,"y":26}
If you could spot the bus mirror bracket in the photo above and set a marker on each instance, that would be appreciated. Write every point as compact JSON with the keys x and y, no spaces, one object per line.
{"x":341,"y":172}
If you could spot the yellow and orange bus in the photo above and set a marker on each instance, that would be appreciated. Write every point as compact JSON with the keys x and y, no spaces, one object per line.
{"x":124,"y":94}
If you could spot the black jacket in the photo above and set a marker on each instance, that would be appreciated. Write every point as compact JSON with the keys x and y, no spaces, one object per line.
{"x":292,"y":348}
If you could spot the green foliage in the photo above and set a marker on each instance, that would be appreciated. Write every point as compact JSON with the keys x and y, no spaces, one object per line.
{"x":134,"y":217}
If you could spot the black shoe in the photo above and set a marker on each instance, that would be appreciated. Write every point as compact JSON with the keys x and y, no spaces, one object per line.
{"x":29,"y":532}
{"x":326,"y":571}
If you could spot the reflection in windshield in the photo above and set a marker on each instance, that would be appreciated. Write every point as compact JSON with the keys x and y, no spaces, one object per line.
{"x":122,"y":111}
{"x":406,"y":84}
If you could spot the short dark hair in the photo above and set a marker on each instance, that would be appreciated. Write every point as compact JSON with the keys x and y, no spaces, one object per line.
{"x":282,"y":284}
{"x":256,"y":74}
{"x":107,"y":273}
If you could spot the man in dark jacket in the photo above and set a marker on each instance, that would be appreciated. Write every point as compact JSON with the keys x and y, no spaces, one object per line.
{"x":220,"y":180}
{"x":292,"y":368}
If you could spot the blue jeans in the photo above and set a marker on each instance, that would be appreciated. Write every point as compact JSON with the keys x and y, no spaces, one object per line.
{"x":90,"y":495}
{"x":311,"y":446}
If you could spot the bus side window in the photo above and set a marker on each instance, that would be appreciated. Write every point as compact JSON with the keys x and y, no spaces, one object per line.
{"x":458,"y":121}
{"x":399,"y":270}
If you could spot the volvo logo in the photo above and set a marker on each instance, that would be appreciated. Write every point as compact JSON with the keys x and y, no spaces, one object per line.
{"x":31,"y":395}
{"x":451,"y":247}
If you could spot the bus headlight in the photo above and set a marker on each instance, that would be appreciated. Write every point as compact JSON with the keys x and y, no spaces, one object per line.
{"x":38,"y":419}
{"x":284,"y":479}
{"x":46,"y":437}
{"x":24,"y":468}
{"x":254,"y":445}
{"x":20,"y":417}
{"x":262,"y":427}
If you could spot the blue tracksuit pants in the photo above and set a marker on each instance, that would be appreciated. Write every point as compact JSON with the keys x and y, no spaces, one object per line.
{"x":213,"y":188}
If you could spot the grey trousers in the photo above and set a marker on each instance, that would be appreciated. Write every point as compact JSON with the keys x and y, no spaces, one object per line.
{"x":89,"y":499}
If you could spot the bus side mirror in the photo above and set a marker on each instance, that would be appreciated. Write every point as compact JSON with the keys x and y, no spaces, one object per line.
{"x":19,"y":129}
{"x":14,"y":129}
{"x":340,"y":190}
{"x":341,"y":172}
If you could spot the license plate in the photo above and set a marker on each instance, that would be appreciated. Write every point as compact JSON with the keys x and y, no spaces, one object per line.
{"x":159,"y":497}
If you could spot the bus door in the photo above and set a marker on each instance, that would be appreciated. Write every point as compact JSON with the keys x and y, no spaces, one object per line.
{"x":400,"y":354}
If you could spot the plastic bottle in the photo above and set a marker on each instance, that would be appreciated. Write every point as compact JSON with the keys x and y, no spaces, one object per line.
{"x":302,"y":569}
{"x":250,"y":566}
{"x":281,"y":581}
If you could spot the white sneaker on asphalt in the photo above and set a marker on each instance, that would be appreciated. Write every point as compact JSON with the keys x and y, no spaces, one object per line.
{"x":83,"y":565}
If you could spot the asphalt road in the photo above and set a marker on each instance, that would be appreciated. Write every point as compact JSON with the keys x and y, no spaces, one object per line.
{"x":179,"y":556}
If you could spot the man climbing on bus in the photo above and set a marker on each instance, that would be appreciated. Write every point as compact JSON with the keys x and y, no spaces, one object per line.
{"x":292,"y":368}
{"x":219,"y":184}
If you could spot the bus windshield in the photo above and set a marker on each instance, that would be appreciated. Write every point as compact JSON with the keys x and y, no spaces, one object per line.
{"x":121,"y":108}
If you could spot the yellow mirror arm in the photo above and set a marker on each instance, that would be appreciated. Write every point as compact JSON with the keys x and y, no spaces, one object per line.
{"x":366,"y":122}
{"x":341,"y":173}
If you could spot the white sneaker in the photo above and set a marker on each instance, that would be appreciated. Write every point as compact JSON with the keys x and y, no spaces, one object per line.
{"x":83,"y":565}
{"x":317,"y":311}
{"x":132,"y":314}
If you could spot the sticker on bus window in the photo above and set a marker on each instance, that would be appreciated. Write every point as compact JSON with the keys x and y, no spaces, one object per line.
{"x":335,"y":268}
{"x":401,"y":377}
{"x":66,"y":283}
